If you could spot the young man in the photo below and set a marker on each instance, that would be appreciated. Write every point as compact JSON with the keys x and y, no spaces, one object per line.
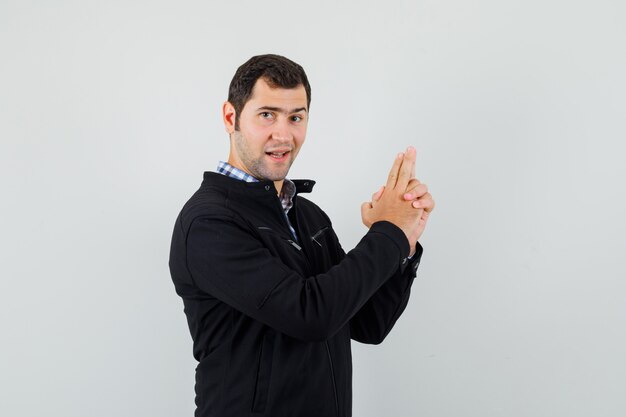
{"x":272,"y":301}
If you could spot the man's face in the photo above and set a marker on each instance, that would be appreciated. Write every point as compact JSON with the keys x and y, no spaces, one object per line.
{"x":272,"y":128}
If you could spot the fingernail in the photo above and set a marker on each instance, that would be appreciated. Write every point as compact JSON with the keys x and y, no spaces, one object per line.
{"x":400,"y":155}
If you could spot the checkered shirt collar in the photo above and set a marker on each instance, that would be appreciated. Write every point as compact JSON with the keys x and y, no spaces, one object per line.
{"x":230,"y":171}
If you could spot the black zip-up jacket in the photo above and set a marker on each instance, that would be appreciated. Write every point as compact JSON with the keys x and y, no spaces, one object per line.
{"x":271,"y":318}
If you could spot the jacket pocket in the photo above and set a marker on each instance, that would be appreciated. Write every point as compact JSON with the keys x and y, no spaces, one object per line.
{"x":264,"y":373}
{"x":319,"y":236}
{"x":326,"y":248}
{"x":267,"y":231}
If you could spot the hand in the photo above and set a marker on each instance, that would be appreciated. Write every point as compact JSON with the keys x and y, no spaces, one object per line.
{"x":390,"y":204}
{"x":421,"y":199}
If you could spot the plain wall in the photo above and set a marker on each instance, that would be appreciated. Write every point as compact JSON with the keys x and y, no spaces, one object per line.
{"x":110,"y":112}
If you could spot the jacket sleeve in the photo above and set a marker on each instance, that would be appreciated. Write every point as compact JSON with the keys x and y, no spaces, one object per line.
{"x":373,"y":322}
{"x":225,"y":260}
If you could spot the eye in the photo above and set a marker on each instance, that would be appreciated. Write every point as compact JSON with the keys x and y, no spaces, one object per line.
{"x":266,"y":115}
{"x":296,"y":118}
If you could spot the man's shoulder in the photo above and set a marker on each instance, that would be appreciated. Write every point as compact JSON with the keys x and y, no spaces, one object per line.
{"x":208,"y":201}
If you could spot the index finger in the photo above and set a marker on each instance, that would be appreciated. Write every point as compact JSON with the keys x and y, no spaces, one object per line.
{"x":393,"y":174}
{"x":408,"y":164}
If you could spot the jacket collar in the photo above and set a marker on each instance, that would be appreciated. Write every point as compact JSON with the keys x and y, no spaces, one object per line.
{"x":265,"y":187}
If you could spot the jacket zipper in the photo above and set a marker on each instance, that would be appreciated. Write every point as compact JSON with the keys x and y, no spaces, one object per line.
{"x":283,"y":215}
{"x":292,"y":242}
{"x":332,"y":375}
{"x":306,"y":259}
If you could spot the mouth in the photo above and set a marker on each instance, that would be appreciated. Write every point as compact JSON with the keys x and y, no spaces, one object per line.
{"x":278,"y":156}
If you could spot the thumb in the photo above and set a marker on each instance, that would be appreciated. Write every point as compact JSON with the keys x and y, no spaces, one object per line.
{"x":376,"y":196}
{"x":365,"y":209}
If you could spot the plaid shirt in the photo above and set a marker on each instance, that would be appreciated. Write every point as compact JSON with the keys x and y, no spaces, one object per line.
{"x":286,"y":194}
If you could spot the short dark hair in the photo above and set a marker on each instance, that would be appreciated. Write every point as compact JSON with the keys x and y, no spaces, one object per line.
{"x":276,"y":70}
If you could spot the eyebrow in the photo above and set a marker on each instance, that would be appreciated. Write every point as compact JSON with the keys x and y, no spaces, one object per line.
{"x":280,"y":110}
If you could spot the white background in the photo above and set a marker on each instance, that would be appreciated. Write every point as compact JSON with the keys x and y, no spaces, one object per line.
{"x":110,"y":112}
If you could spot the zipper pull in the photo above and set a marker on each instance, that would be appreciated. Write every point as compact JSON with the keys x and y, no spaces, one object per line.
{"x":295,"y":245}
{"x":319,"y":232}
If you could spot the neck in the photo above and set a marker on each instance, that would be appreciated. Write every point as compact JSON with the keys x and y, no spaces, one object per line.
{"x":279,"y":186}
{"x":234,"y":162}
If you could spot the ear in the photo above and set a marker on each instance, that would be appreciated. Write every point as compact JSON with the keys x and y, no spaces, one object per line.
{"x":228,"y":116}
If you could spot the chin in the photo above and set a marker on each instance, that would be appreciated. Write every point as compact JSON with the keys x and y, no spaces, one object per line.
{"x":275,"y":175}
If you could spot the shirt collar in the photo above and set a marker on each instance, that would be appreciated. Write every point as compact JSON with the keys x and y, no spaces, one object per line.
{"x":230,"y":171}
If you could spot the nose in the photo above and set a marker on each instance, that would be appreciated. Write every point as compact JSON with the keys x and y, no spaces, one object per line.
{"x":282,"y":131}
